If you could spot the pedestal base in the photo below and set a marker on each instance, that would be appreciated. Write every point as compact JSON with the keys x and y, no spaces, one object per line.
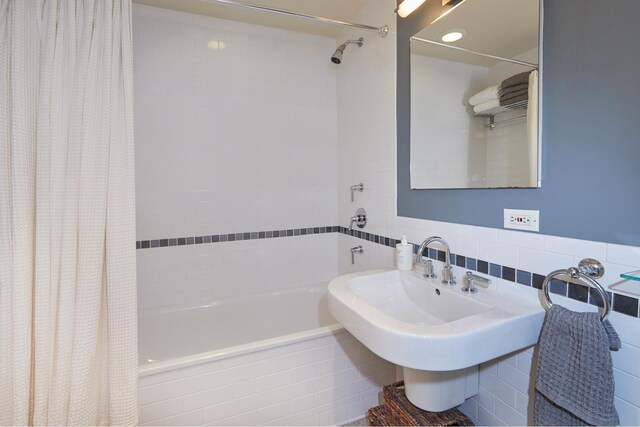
{"x":438,"y":391}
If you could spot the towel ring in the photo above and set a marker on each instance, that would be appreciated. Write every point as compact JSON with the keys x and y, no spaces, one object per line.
{"x":587,"y":270}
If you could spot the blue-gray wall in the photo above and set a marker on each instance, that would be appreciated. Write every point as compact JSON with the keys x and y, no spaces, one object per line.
{"x":590,"y":134}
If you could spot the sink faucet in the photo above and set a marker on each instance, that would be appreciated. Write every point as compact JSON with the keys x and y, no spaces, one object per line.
{"x":447,"y":273}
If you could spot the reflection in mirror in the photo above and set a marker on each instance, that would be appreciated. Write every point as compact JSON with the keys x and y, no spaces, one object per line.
{"x":474,"y":97}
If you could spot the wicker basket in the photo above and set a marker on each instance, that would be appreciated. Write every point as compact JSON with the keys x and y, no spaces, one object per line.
{"x":398,"y":411}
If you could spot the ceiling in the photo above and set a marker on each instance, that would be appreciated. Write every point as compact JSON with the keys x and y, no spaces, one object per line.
{"x":504,"y":28}
{"x":343,"y":10}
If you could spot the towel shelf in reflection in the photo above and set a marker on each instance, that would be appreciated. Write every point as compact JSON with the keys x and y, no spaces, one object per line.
{"x":493,"y":112}
{"x":587,"y":272}
{"x":521,"y":105}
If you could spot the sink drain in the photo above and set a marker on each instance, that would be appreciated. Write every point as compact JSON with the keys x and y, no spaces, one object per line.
{"x":437,"y":291}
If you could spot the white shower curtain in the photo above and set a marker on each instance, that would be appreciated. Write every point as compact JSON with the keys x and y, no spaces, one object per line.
{"x":68,"y":344}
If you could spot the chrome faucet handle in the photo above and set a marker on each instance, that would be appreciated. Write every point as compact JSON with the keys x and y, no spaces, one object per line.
{"x":428,"y":270}
{"x":470,"y":280}
{"x":356,"y":250}
{"x":357,"y":187}
{"x":447,"y":276}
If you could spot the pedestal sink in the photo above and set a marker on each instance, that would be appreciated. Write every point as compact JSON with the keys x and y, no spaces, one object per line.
{"x":438,"y":334}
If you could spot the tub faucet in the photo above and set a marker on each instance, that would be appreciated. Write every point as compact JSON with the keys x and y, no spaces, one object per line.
{"x":447,"y":272}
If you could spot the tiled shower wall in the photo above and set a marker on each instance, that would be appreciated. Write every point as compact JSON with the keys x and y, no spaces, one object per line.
{"x":235,"y":132}
{"x":367,"y":154}
{"x":455,"y":151}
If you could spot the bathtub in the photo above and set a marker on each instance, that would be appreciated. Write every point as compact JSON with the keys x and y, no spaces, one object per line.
{"x":276,"y":358}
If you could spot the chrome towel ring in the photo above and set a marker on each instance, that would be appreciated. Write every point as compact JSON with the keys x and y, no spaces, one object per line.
{"x":588,"y":271}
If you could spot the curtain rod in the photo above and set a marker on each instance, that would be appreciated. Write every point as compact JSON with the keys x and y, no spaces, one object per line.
{"x":383,"y":31}
{"x":486,"y":55}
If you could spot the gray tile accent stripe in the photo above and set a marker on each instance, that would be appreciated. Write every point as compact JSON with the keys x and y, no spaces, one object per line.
{"x":234,"y":237}
{"x":622,"y":304}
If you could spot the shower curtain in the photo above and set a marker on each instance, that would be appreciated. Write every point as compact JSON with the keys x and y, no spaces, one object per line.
{"x":68,"y":350}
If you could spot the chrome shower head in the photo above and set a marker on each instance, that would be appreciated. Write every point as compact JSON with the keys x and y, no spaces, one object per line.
{"x":336,"y":58}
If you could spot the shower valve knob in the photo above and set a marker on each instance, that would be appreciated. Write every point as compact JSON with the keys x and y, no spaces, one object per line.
{"x":359,"y":219}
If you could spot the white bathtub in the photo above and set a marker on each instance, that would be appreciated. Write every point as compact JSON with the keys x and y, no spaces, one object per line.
{"x":183,"y":335}
{"x":277,"y":357}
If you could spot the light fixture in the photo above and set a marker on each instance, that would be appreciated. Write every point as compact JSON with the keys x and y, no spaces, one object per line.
{"x":453,"y":36}
{"x":216,"y":45}
{"x":407,"y":7}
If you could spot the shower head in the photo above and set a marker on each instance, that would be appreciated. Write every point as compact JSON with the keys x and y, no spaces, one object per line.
{"x":336,"y":58}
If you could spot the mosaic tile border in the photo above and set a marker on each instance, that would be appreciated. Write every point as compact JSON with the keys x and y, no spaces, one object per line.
{"x":234,"y":237}
{"x":622,"y":304}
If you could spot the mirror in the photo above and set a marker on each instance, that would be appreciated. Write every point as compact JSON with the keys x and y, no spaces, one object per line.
{"x":475,"y":100}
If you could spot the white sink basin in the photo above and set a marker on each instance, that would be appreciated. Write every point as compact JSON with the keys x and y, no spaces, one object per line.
{"x":400,"y":316}
{"x":423,"y":325}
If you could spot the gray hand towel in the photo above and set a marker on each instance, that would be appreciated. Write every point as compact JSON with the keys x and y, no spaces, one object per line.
{"x":511,"y":89}
{"x":514,"y":97}
{"x":514,"y":80}
{"x":575,"y":374}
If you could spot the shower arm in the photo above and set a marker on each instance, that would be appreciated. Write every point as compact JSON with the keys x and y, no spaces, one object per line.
{"x":359,"y":42}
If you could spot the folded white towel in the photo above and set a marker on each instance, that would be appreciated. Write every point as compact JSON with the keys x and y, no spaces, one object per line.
{"x":486,"y":105}
{"x":486,"y":95}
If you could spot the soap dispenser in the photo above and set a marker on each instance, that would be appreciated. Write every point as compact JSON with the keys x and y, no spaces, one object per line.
{"x":404,"y":255}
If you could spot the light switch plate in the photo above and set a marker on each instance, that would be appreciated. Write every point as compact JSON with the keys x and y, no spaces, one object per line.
{"x":523,"y":220}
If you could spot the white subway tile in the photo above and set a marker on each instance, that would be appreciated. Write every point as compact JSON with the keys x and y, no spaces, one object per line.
{"x":499,"y":254}
{"x":509,"y":415}
{"x":470,"y":408}
{"x":317,"y":354}
{"x":629,"y":414}
{"x":319,"y":383}
{"x":279,"y":410}
{"x":513,"y":377}
{"x":521,"y":239}
{"x":193,"y":418}
{"x":150,"y":394}
{"x":621,"y":254}
{"x":486,"y":398}
{"x":161,"y":409}
{"x":290,"y":391}
{"x":504,"y":391}
{"x":222,"y":411}
{"x":627,"y":387}
{"x":286,"y":362}
{"x":302,"y":373}
{"x":181,"y":387}
{"x":541,"y":262}
{"x":346,"y":376}
{"x":525,"y":361}
{"x":480,"y":233}
{"x":575,"y":247}
{"x":522,"y":404}
{"x":272,"y":381}
{"x":242,"y":419}
{"x":333,"y":394}
{"x":488,"y":418}
{"x":303,"y":403}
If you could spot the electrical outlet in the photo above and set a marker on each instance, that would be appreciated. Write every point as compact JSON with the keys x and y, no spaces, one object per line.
{"x":524,"y":220}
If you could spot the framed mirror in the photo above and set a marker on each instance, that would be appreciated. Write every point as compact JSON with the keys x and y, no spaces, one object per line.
{"x":475,"y":97}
